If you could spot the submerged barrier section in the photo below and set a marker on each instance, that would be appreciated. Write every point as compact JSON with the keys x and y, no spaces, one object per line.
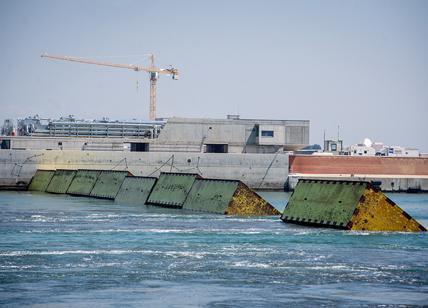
{"x":349,"y":205}
{"x":226,"y":197}
{"x":41,"y":180}
{"x":60,"y":181}
{"x":108,"y":184}
{"x":171,"y":189}
{"x":83,"y":182}
{"x":135,"y":190}
{"x":176,"y":190}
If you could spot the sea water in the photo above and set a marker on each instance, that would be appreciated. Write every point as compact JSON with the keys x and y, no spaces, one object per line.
{"x":61,"y":251}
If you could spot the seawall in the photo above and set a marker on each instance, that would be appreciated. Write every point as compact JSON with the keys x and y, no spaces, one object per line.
{"x":260,"y":171}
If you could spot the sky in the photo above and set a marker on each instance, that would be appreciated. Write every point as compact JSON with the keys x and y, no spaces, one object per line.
{"x":360,"y":66}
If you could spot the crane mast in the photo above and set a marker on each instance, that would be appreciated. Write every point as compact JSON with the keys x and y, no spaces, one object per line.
{"x":152,"y":70}
{"x":153,"y":88}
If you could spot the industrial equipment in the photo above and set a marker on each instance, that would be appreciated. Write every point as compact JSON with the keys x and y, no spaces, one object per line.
{"x":152,"y":70}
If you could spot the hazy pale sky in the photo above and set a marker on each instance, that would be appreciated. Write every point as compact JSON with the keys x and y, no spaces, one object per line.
{"x":362,"y":65}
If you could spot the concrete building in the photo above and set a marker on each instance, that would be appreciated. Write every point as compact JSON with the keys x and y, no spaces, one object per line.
{"x":176,"y":135}
{"x":253,"y":151}
{"x":333,"y":146}
{"x":398,"y":151}
{"x":232,"y":135}
{"x":361,"y":150}
{"x":368,"y":148}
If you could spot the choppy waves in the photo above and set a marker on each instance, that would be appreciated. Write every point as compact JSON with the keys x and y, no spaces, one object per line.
{"x":81,"y":247}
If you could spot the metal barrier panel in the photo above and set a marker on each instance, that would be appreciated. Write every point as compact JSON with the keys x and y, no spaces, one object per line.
{"x":350,"y":205}
{"x":212,"y":196}
{"x":171,"y":189}
{"x":135,"y":190}
{"x":60,"y":182}
{"x":41,"y":180}
{"x":324,"y":202}
{"x":108,"y":184}
{"x":376,"y":212}
{"x":83,"y":182}
{"x":246,"y":202}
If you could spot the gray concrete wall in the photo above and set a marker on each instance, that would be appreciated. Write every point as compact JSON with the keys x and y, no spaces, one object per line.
{"x":67,"y":143}
{"x":267,"y":171}
{"x":240,"y":135}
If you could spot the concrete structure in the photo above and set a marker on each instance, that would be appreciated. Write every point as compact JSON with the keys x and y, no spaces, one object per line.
{"x":256,"y":170}
{"x":333,"y":146}
{"x":361,"y":150}
{"x":231,"y":135}
{"x":249,"y":150}
{"x":388,"y":173}
{"x":369,"y":148}
{"x":178,"y":135}
{"x":397,"y":151}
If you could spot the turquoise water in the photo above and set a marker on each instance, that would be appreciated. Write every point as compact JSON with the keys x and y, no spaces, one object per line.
{"x":58,"y":251}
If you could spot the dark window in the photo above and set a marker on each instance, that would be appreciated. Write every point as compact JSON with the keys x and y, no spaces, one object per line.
{"x":139,"y":147}
{"x":333,"y":146}
{"x":267,"y":133}
{"x":216,"y":148}
{"x":365,"y":151}
{"x":5,"y":144}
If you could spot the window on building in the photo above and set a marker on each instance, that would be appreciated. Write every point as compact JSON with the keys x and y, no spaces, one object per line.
{"x":267,"y":133}
{"x":365,"y":151}
{"x":5,"y":144}
{"x":139,"y":147}
{"x":355,"y":151}
{"x":334,"y":147}
{"x":216,"y":148}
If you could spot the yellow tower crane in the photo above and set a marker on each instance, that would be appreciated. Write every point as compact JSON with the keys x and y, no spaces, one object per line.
{"x":152,"y":70}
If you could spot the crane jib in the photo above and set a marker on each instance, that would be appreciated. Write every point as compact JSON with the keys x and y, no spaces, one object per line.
{"x":152,"y":70}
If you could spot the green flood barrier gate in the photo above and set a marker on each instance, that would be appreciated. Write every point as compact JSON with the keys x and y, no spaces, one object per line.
{"x":108,"y":184}
{"x":178,"y":190}
{"x":83,"y":182}
{"x":226,"y":197}
{"x":41,"y":180}
{"x":135,"y":190}
{"x":348,"y":205}
{"x":60,"y":181}
{"x":171,"y":189}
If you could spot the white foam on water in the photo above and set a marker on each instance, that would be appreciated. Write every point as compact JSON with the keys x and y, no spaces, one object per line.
{"x":16,"y":266}
{"x":65,"y":252}
{"x":251,"y":264}
{"x":197,"y":255}
{"x":156,"y":230}
{"x":176,"y":254}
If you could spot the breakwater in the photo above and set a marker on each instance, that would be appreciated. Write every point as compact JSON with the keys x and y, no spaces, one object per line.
{"x":258,"y":171}
{"x":178,"y":190}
